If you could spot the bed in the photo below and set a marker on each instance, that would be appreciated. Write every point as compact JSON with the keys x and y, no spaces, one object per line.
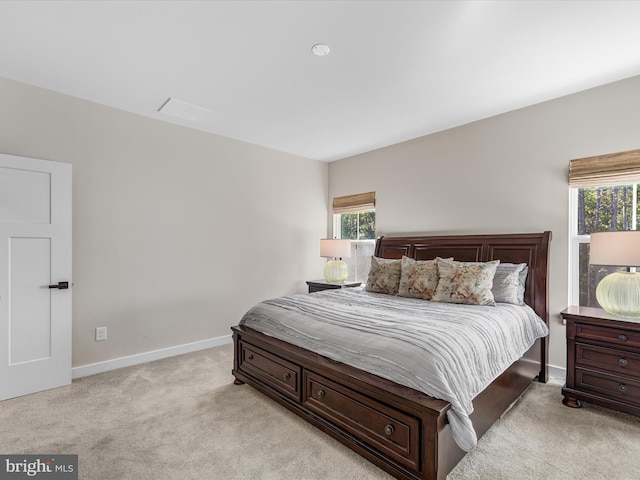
{"x":402,"y":430}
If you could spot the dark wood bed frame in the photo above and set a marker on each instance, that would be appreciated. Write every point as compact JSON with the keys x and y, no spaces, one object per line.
{"x":403,"y":431}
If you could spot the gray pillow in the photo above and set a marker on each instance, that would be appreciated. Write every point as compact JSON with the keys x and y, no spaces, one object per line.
{"x":508,"y":283}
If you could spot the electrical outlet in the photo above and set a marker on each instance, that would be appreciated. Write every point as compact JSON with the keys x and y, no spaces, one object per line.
{"x":101,"y":333}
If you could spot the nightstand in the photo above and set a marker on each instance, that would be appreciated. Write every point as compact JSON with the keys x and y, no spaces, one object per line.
{"x":603,"y":360}
{"x":319,"y":285}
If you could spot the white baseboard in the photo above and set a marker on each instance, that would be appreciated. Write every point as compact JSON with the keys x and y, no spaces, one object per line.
{"x":108,"y":365}
{"x":559,"y":373}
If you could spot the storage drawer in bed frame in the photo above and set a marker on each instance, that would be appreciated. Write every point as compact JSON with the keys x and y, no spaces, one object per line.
{"x":383,"y":427}
{"x":279,"y":373}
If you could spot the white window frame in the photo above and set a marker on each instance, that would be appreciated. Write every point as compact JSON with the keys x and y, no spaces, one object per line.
{"x":337,"y":230}
{"x":574,"y":248}
{"x":337,"y":233}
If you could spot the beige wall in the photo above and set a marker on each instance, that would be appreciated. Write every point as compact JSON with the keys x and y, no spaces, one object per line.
{"x":504,"y":174}
{"x":176,"y":232}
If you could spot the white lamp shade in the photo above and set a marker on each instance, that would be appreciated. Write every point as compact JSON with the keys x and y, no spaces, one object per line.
{"x":335,"y":248}
{"x":620,"y":249}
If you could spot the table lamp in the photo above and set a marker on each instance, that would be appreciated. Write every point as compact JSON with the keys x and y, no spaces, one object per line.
{"x":619,"y":292}
{"x":335,"y":271}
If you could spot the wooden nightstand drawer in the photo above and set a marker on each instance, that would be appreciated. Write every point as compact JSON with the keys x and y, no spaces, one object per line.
{"x":612,"y":386}
{"x":615,"y":336}
{"x":386,"y":429}
{"x":603,"y":360}
{"x":611,"y":359}
{"x":285,"y":376}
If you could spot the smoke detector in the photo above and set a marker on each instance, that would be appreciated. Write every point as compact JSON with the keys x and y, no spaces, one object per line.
{"x":320,"y":49}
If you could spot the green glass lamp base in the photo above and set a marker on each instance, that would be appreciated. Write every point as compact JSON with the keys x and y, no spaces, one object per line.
{"x":619,"y":294}
{"x":335,"y":271}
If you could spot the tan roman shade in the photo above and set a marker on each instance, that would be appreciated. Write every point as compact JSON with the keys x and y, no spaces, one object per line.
{"x":354,"y":203}
{"x":621,"y":168}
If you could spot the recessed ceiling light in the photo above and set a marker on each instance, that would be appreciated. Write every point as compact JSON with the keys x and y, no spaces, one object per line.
{"x":183,"y":110}
{"x":320,"y":49}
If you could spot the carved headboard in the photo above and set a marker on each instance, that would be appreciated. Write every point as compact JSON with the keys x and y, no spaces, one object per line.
{"x":529,"y":248}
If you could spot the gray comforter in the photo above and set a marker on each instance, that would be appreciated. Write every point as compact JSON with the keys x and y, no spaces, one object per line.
{"x":447,"y":351}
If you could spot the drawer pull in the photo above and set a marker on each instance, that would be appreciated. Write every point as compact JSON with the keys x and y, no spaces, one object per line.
{"x":389,"y":429}
{"x":623,"y":362}
{"x":320,"y":394}
{"x":622,"y":387}
{"x":622,"y":338}
{"x":286,"y":376}
{"x":250,"y":357}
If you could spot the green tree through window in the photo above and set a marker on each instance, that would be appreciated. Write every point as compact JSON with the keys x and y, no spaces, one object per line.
{"x":358,"y":225}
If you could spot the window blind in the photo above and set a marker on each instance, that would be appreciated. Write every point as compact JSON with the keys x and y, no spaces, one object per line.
{"x":621,"y":168}
{"x":354,"y":203}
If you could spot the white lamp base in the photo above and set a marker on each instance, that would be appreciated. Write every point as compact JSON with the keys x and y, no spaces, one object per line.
{"x":619,"y":294}
{"x":335,"y":271}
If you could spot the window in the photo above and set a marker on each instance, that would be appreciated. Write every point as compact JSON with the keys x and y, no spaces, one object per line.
{"x":358,"y":225}
{"x":354,"y":218}
{"x":604,"y":197}
{"x":598,"y":209}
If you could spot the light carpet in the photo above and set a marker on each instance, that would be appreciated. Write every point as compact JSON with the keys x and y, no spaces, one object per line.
{"x":182,"y":418}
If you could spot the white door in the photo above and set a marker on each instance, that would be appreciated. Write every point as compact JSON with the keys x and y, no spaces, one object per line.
{"x":35,"y":256}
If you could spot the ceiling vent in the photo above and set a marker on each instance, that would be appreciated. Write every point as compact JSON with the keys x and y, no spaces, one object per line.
{"x":183,"y":110}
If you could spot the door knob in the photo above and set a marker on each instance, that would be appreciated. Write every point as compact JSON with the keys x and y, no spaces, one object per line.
{"x":60,"y":285}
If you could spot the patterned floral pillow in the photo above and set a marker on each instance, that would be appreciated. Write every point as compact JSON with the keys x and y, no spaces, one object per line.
{"x":419,"y":278}
{"x":384,"y":276}
{"x":465,"y":282}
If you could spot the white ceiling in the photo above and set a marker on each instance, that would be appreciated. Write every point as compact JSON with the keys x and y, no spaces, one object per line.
{"x":397,"y":69}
